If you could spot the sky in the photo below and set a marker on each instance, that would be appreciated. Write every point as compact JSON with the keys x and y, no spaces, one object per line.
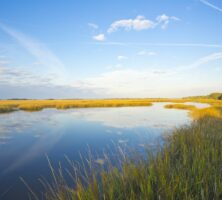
{"x":110,"y":49}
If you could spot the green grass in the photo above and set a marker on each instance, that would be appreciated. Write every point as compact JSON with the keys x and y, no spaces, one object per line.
{"x":188,"y":166}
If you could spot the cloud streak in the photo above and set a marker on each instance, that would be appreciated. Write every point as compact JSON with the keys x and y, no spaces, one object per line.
{"x":204,"y":60}
{"x":211,"y":5}
{"x":41,"y":53}
{"x":206,"y":45}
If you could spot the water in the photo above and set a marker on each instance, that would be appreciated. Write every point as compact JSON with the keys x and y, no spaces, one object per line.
{"x":27,"y":137}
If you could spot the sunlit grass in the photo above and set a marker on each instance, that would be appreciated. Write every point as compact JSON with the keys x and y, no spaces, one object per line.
{"x":36,"y":105}
{"x":212,"y":111}
{"x":198,"y":113}
{"x":188,"y":166}
{"x":180,"y":106}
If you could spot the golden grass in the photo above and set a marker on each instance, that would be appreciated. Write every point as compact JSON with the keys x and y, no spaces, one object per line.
{"x":180,"y":106}
{"x":207,"y":112}
{"x":36,"y":105}
{"x":215,"y":110}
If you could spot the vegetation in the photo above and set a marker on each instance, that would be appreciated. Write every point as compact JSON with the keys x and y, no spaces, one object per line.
{"x":212,"y":111}
{"x":180,"y":106}
{"x":215,"y":95}
{"x":36,"y":105}
{"x":6,"y":109}
{"x":198,"y":113}
{"x":188,"y":166}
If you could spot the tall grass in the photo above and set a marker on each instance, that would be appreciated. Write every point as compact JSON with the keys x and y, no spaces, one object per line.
{"x":188,"y":166}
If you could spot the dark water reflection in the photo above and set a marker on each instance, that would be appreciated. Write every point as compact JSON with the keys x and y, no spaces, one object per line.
{"x":26,"y":137}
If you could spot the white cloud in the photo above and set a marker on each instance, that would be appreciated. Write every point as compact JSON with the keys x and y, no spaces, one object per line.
{"x":153,"y":82}
{"x":125,"y":83}
{"x":163,"y":20}
{"x":93,"y":26}
{"x":100,"y":37}
{"x":122,"y":57}
{"x":146,"y":53}
{"x":141,"y":23}
{"x":211,"y":5}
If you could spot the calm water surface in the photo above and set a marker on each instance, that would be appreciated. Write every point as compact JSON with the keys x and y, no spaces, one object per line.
{"x":27,"y":137}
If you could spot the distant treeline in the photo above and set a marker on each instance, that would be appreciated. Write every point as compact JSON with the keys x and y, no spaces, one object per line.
{"x":216,"y":95}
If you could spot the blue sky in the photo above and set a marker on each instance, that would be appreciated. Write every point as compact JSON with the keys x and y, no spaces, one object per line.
{"x":102,"y":49}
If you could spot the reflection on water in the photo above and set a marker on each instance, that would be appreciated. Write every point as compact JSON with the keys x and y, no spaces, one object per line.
{"x":26,"y":137}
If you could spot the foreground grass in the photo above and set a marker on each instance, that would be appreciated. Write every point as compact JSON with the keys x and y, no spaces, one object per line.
{"x":188,"y":166}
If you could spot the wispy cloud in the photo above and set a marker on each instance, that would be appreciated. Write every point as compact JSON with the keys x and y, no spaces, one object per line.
{"x":202,"y":61}
{"x":93,"y":26}
{"x":41,"y":53}
{"x":207,"y":3}
{"x":164,"y":20}
{"x":19,"y":77}
{"x":206,"y":45}
{"x":146,"y":53}
{"x":125,"y":82}
{"x":100,"y":37}
{"x":122,"y":57}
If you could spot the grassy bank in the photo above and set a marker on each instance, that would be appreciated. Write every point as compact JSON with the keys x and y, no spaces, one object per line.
{"x":198,"y":113}
{"x":36,"y":105}
{"x":180,"y":106}
{"x":188,"y":166}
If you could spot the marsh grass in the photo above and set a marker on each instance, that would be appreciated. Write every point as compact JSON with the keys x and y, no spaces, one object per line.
{"x":6,"y":109}
{"x":37,"y":105}
{"x":188,"y":166}
{"x":180,"y":106}
{"x":213,"y":111}
{"x":198,"y":113}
